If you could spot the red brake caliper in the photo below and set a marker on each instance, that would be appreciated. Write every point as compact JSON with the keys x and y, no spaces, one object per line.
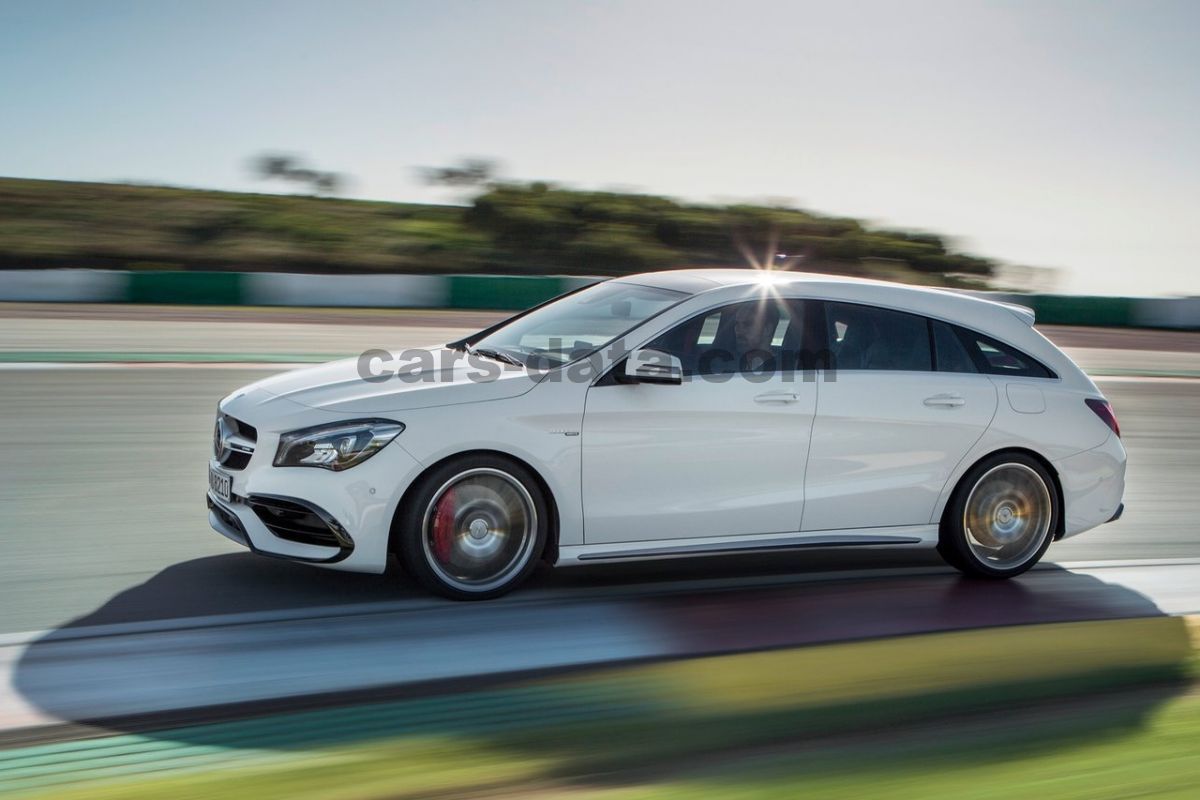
{"x":443,"y":527}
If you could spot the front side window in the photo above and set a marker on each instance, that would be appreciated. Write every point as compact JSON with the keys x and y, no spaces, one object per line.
{"x":579,"y":324}
{"x":754,"y":336}
{"x":869,"y":338}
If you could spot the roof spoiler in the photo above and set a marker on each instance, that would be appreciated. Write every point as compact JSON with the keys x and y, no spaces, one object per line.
{"x":1023,"y":313}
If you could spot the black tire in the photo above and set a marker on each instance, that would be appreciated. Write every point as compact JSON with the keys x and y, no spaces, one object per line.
{"x":457,"y":534}
{"x":982,"y":533}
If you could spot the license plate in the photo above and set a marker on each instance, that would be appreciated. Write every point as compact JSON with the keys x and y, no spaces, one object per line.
{"x":219,"y":483}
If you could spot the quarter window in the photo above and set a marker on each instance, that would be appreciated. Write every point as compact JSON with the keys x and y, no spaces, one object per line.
{"x":997,"y":358}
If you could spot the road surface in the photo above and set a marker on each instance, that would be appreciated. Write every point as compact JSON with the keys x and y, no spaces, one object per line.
{"x":106,"y":541}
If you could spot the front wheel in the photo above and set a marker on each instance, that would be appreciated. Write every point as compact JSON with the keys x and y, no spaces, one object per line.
{"x":474,"y":528}
{"x":1001,"y":517}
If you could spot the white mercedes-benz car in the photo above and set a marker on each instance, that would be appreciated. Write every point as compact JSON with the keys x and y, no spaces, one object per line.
{"x":684,"y":413}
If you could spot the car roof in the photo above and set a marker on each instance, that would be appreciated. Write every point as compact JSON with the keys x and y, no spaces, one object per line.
{"x":702,"y":279}
{"x":670,"y":279}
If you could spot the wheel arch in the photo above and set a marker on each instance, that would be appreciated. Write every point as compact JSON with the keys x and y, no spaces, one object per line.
{"x":1055,"y":479}
{"x":549,"y":552}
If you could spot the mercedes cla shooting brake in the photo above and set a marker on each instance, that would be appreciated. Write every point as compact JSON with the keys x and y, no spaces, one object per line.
{"x":684,"y":413}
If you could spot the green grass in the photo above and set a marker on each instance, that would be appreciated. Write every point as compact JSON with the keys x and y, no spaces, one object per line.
{"x":1108,"y":749}
{"x":516,"y":229}
{"x":1140,"y":743}
{"x":151,"y":228}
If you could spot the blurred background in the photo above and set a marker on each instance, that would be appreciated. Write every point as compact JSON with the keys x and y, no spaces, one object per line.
{"x":194,"y":196}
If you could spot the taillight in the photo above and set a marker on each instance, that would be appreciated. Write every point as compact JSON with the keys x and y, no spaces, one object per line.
{"x":1104,"y":411}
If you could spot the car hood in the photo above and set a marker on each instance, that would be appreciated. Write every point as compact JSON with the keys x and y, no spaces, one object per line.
{"x":433,"y":377}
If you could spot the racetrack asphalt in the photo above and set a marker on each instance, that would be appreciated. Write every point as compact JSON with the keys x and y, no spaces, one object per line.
{"x":104,"y":525}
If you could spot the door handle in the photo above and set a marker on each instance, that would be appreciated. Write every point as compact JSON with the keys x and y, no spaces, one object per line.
{"x":945,"y":401}
{"x":777,"y":397}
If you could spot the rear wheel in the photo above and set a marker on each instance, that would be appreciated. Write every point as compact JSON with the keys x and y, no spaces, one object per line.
{"x":474,"y":528}
{"x":1001,"y":517}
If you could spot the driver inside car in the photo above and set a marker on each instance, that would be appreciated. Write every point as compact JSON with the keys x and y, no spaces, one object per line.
{"x":754,"y":327}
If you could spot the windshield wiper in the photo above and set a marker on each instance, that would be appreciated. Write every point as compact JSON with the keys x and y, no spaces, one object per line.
{"x":495,"y":355}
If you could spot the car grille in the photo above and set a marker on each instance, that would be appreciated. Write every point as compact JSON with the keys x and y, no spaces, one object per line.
{"x":299,"y":522}
{"x":239,"y":440}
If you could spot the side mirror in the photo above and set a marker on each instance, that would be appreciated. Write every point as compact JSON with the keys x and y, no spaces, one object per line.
{"x":653,"y":366}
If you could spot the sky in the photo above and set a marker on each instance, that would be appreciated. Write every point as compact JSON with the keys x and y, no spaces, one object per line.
{"x":1054,"y":134}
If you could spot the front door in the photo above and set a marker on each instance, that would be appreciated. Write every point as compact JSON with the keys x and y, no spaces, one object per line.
{"x":721,"y":454}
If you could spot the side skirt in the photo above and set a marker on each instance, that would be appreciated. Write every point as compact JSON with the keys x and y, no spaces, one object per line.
{"x":908,"y":536}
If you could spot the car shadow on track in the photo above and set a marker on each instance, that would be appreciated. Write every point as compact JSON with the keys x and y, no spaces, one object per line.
{"x":237,"y":583}
{"x":56,"y":671}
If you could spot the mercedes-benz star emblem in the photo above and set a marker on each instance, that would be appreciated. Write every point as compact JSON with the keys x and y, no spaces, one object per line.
{"x":221,"y":440}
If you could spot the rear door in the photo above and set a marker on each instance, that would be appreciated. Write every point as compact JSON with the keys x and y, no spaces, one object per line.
{"x":889,"y":428}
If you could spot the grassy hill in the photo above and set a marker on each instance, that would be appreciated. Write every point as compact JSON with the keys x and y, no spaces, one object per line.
{"x":514,"y":229}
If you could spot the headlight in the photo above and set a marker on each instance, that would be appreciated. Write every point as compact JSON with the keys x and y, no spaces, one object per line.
{"x":336,"y":447}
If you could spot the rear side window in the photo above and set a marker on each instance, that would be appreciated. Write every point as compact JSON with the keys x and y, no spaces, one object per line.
{"x":997,"y":358}
{"x":866,"y":337}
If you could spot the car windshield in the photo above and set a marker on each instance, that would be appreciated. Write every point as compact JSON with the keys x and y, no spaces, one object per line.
{"x":578,"y":324}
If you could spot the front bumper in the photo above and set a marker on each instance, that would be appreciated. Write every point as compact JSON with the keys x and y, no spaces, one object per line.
{"x":301,"y":522}
{"x":337,"y":519}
